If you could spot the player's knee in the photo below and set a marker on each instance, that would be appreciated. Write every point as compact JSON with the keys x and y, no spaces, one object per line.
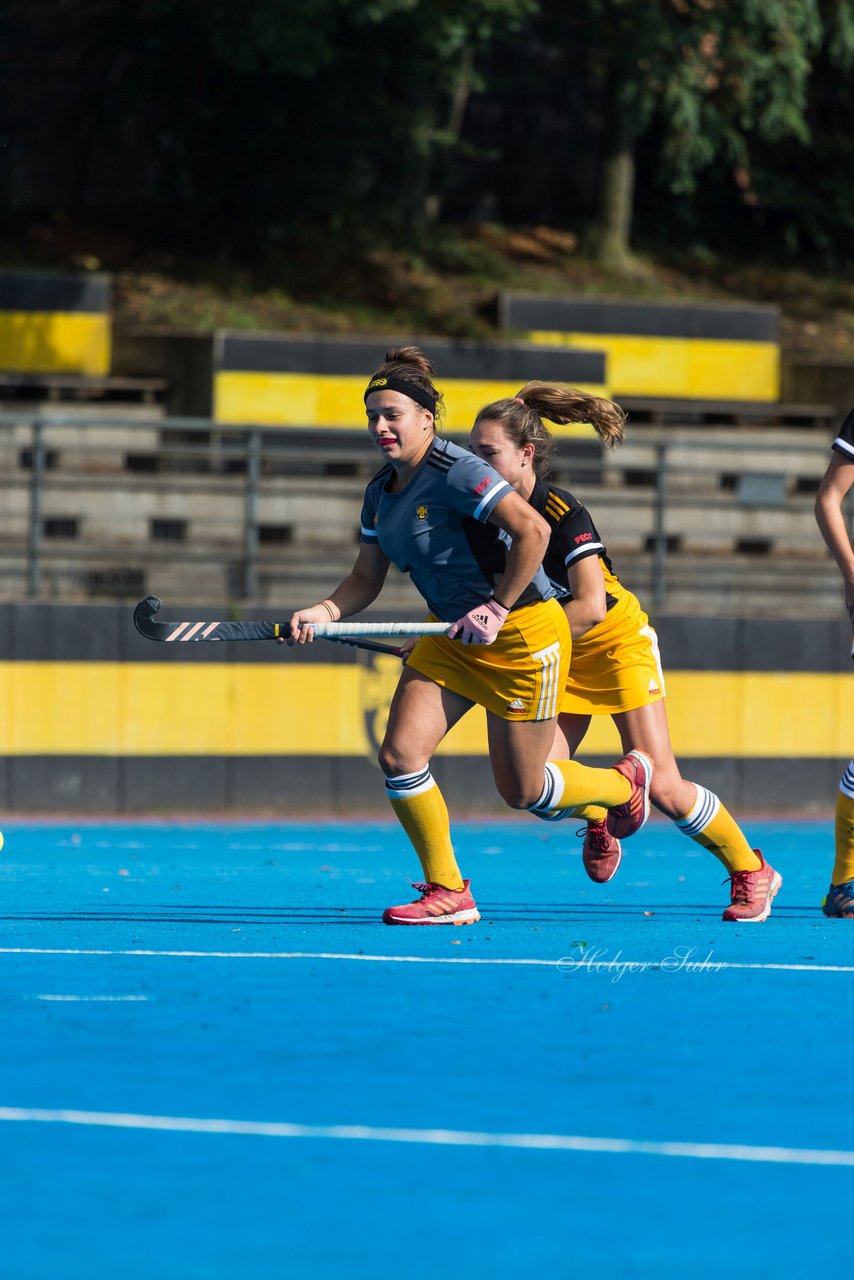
{"x":669,"y":798}
{"x":389,"y":761}
{"x":517,"y":796}
{"x":394,"y":761}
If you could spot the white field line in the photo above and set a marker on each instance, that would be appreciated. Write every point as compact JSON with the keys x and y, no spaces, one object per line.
{"x":568,"y":962}
{"x":432,"y":1137}
{"x":97,"y":999}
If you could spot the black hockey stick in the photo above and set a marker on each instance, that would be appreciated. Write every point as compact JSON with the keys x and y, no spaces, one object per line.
{"x":350,"y":633}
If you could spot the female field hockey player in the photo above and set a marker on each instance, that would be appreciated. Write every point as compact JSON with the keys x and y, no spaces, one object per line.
{"x":615,"y":667}
{"x":835,"y":484}
{"x":473,"y":548}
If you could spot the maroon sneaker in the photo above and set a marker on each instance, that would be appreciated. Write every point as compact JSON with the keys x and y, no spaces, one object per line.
{"x":625,"y":819}
{"x":752,"y":892}
{"x":601,"y":853}
{"x":437,"y":905}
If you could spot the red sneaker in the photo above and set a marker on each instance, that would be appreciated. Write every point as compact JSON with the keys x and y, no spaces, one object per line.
{"x":625,"y":819}
{"x":601,"y":853}
{"x":752,"y":892}
{"x":437,"y":905}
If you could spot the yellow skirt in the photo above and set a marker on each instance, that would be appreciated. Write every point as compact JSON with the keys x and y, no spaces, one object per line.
{"x":616,"y":666}
{"x":518,"y":677}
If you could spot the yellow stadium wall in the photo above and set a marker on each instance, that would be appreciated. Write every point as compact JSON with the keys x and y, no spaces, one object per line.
{"x":690,"y":369}
{"x":662,"y":350}
{"x":280,"y":380}
{"x":154,"y":709}
{"x":96,"y":718}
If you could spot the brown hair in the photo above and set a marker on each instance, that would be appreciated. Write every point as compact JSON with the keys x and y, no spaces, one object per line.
{"x":522,"y":417}
{"x":410,"y":364}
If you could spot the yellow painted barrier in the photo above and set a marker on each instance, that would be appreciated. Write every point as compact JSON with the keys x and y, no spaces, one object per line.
{"x":320,"y":709}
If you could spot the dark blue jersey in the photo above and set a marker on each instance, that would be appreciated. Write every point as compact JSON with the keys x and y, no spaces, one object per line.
{"x":435,"y":530}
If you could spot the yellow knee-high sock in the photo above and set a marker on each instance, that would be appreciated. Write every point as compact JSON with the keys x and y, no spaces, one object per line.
{"x":711,"y":825}
{"x":843,"y":868}
{"x":423,"y":814}
{"x":590,"y":813}
{"x":570,"y":787}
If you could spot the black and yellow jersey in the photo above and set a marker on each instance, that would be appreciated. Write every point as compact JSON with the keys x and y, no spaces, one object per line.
{"x":573,"y":537}
{"x":844,"y":442}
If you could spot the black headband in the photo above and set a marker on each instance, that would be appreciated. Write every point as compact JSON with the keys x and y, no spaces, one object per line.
{"x":427,"y":399}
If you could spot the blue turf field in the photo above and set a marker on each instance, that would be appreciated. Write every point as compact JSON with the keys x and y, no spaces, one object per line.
{"x":213,"y":975}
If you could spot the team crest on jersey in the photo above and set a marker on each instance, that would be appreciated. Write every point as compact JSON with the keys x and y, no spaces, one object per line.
{"x":421,"y":512}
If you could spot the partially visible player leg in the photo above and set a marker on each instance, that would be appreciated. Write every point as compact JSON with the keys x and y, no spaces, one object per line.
{"x":701,"y":816}
{"x":696,"y":811}
{"x":569,"y":734}
{"x":601,"y":852}
{"x":840,"y":896}
{"x":421,"y":714}
{"x":526,"y":780}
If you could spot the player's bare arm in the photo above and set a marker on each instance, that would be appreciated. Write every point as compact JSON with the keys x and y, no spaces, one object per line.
{"x":530,"y":535}
{"x":358,"y":590}
{"x":835,"y":484}
{"x":589,"y":604}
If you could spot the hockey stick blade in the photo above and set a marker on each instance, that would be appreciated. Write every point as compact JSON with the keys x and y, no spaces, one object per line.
{"x":143,"y":617}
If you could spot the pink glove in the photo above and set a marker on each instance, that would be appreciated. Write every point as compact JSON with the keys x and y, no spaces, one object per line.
{"x":480,"y":625}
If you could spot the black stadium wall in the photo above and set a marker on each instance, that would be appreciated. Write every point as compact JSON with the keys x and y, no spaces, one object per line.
{"x":100,"y":720}
{"x":286,"y":380}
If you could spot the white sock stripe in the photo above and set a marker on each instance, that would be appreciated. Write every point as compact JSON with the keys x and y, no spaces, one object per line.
{"x":545,"y":799}
{"x":551,"y":794}
{"x":846,"y":786}
{"x":705,"y":807}
{"x":406,"y":785}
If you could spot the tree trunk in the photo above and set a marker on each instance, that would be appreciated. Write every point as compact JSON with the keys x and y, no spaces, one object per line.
{"x":453,"y":131}
{"x":615,"y":218}
{"x":608,"y":242}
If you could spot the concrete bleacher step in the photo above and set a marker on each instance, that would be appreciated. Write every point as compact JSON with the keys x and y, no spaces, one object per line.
{"x":32,"y":389}
{"x":726,"y":585}
{"x":739,"y":522}
{"x":663,"y":411}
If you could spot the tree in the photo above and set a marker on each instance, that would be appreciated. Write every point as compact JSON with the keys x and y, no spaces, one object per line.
{"x":713,"y":72}
{"x":256,"y":120}
{"x":432,"y":48}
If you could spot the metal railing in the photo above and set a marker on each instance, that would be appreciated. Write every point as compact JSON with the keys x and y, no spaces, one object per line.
{"x":97,"y":507}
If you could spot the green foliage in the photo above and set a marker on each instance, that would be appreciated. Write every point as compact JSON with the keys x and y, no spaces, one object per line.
{"x":269,"y":131}
{"x":714,"y":73}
